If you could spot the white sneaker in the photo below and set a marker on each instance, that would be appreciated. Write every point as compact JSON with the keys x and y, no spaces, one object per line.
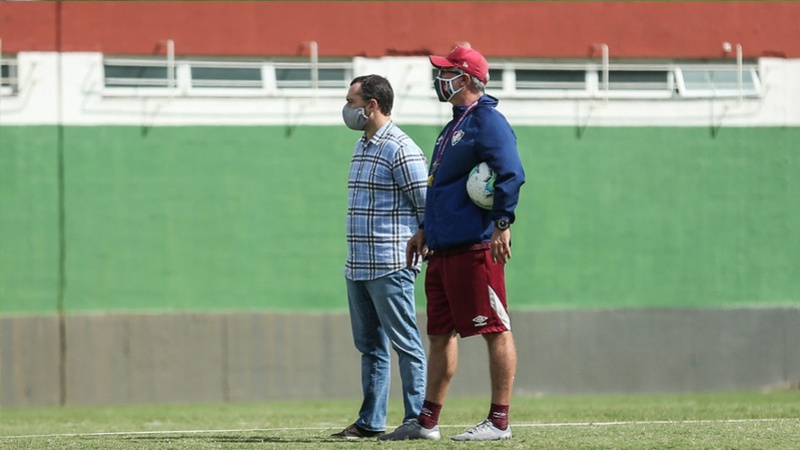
{"x":412,"y":430}
{"x":484,"y":431}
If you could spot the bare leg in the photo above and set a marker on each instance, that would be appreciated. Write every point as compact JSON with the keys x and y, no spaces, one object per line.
{"x":502,"y":365}
{"x":442,"y":364}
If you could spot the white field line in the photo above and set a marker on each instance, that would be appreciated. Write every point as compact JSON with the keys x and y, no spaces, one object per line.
{"x":515,"y":425}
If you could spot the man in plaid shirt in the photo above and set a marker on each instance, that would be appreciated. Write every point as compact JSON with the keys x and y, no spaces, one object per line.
{"x":386,"y":205}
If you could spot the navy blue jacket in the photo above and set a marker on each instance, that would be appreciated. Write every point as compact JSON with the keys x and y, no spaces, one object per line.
{"x":451,"y":218}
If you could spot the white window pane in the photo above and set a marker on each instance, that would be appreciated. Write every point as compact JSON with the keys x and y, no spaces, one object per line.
{"x":718,"y":82}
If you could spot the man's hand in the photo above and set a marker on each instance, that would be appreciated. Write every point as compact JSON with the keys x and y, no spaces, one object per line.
{"x":501,"y":245}
{"x":416,"y":249}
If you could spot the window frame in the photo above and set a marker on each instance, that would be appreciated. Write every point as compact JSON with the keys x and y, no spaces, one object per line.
{"x":184,"y":83}
{"x":647,"y":90}
{"x":509,"y":85}
{"x":9,"y":85}
{"x":750,"y":69}
{"x":154,"y":89}
{"x":673,"y":87}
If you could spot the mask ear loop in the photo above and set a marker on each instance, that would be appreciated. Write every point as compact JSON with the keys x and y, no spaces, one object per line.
{"x":369,"y":103}
{"x":452,"y":83}
{"x":468,"y":79}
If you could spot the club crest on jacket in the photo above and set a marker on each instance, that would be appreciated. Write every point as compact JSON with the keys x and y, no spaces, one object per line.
{"x":456,"y":137}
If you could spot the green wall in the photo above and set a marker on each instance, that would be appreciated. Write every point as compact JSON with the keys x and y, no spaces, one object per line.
{"x":252,"y":218}
{"x":29,"y":219}
{"x":667,"y":217}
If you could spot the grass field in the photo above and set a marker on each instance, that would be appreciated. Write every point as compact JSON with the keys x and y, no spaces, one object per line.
{"x":697,"y":421}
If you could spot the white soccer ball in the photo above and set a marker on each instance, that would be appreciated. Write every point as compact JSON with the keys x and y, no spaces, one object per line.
{"x":480,"y":185}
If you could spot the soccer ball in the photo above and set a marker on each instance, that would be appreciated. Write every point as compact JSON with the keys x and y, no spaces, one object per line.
{"x":480,"y":185}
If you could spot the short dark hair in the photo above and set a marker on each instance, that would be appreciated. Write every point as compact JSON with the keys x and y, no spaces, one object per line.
{"x":379,"y":88}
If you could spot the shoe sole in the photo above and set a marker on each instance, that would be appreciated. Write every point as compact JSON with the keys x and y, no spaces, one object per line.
{"x":501,"y":438}
{"x":412,"y":439}
{"x":428,"y":437}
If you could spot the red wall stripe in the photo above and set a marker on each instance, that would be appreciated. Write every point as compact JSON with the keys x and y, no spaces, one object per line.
{"x":498,"y":29}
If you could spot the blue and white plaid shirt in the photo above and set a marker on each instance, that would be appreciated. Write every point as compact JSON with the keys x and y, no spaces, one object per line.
{"x":386,"y":202}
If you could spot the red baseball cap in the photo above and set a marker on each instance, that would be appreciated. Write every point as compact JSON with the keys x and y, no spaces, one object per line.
{"x":466,"y":59}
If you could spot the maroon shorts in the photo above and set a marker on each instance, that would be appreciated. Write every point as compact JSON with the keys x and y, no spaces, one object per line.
{"x":466,"y":292}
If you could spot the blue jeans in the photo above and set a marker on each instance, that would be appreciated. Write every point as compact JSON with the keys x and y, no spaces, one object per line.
{"x":382,"y":312}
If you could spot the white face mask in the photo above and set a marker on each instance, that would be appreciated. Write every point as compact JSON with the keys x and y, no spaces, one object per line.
{"x":444,"y":87}
{"x":354,"y":118}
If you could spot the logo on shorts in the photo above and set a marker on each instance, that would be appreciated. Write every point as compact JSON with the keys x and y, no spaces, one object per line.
{"x":480,"y":321}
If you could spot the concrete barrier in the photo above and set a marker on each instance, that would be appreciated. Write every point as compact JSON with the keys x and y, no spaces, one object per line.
{"x":244,"y":357}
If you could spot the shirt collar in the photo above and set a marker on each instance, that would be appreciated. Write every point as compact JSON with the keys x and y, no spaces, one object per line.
{"x":382,"y":131}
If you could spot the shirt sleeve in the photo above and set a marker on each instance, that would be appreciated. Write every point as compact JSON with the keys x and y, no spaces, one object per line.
{"x":410,"y":171}
{"x":497,"y":145}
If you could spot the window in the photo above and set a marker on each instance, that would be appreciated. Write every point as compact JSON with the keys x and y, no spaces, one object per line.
{"x":138,"y":74}
{"x":204,"y":76}
{"x":626,"y":80}
{"x":9,"y":80}
{"x":638,"y":80}
{"x":718,"y":81}
{"x":143,"y":77}
{"x":550,"y":79}
{"x":495,"y":76}
{"x":302,"y":75}
{"x":554,"y":79}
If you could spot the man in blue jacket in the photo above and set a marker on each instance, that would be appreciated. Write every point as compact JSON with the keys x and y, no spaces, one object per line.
{"x":466,"y":246}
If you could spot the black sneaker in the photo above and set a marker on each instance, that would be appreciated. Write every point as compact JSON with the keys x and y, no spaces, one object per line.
{"x":354,"y":432}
